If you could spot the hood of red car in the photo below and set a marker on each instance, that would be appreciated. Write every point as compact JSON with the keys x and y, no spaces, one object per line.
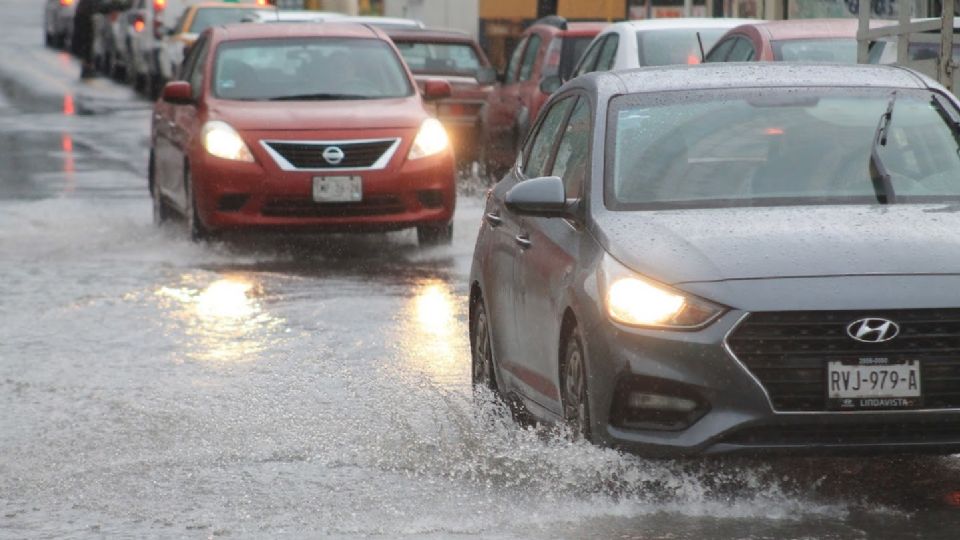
{"x":320,"y":115}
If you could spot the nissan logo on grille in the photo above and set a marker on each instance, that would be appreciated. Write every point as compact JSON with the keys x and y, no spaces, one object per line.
{"x":873,"y":330}
{"x":333,"y":155}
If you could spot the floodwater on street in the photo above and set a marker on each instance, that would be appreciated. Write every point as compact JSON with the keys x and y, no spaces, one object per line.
{"x":153,"y":387}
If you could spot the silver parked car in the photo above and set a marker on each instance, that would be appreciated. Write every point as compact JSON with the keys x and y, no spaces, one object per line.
{"x":730,"y":258}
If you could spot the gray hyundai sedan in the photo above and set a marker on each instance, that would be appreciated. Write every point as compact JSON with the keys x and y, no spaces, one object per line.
{"x":730,"y":258}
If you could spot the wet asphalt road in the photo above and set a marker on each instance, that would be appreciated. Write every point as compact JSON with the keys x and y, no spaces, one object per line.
{"x":151,"y":387}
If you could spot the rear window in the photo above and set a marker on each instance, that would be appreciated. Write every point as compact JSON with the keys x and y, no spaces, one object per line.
{"x":774,"y":147}
{"x":668,"y":47}
{"x":309,"y":69}
{"x":832,"y":51}
{"x":207,"y":17}
{"x":439,"y":57}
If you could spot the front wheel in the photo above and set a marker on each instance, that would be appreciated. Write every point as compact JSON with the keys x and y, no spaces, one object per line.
{"x":161,"y":212}
{"x":573,"y":385}
{"x":198,"y":231}
{"x":483,"y":375}
{"x":435,"y":235}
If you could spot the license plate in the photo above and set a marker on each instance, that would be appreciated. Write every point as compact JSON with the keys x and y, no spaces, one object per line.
{"x":337,"y":189}
{"x":873,"y":383}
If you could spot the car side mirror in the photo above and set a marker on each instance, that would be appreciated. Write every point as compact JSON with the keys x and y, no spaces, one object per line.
{"x":486,"y":75}
{"x":434,"y":89}
{"x":178,"y":93}
{"x":542,"y":197}
{"x":550,"y":84}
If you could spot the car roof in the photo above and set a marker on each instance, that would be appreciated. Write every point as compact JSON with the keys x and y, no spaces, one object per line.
{"x":231,"y":5}
{"x":678,"y":23}
{"x":807,"y":28}
{"x":749,"y":75}
{"x":428,"y":34}
{"x":238,"y":31}
{"x":583,"y":28}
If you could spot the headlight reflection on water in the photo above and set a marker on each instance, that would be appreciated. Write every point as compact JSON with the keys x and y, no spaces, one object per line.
{"x":431,"y":335}
{"x":224,"y":320}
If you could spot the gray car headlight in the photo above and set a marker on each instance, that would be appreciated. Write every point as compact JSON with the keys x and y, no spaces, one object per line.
{"x":635,"y":300}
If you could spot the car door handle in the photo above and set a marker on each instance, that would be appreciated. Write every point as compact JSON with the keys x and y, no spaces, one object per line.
{"x":523,"y":241}
{"x":494,"y":219}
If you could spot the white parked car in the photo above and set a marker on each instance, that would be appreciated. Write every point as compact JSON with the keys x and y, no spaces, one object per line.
{"x":653,"y":42}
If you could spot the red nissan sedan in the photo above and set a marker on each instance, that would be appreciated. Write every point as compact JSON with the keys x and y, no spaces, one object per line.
{"x":301,"y":127}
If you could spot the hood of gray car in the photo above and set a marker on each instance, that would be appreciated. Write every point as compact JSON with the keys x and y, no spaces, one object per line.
{"x":681,"y":246}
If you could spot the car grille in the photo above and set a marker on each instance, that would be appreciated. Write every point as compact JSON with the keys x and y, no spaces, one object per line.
{"x":845,"y":434}
{"x":787,"y":352}
{"x":309,"y":155}
{"x":305,"y":208}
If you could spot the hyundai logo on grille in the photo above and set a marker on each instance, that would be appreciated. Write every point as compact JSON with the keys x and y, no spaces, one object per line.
{"x":873,"y":330}
{"x":333,"y":155}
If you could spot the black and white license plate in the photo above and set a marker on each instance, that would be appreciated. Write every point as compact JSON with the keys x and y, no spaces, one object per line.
{"x":337,"y":189}
{"x":873,"y":383}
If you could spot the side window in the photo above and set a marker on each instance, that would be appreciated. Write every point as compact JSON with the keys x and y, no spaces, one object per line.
{"x":543,"y":142}
{"x":590,"y":57}
{"x":742,"y":51}
{"x":529,"y":57}
{"x":721,"y":50}
{"x":573,"y":154}
{"x":608,"y":54}
{"x":512,"y":65}
{"x":195,"y":66}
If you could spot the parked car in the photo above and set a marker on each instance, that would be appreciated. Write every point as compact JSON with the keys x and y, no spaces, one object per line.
{"x":710,"y":259}
{"x":108,"y":36}
{"x":301,"y":127}
{"x":58,"y":22}
{"x":546,"y":55}
{"x":457,"y":58}
{"x":797,"y":40}
{"x":194,"y":20}
{"x":301,"y":16}
{"x":653,"y":42}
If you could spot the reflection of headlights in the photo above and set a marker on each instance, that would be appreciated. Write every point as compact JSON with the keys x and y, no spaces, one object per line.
{"x":431,"y":139}
{"x":637,"y":301}
{"x":223,"y":141}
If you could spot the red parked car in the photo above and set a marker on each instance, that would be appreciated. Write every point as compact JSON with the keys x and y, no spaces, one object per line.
{"x":542,"y":60}
{"x":798,"y":40}
{"x":313,"y":127}
{"x":457,"y":58}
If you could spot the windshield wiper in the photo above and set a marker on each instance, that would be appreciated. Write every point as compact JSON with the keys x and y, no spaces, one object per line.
{"x":318,"y":97}
{"x":879,"y":175}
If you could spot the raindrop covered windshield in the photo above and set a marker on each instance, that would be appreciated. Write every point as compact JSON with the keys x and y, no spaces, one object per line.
{"x":765,"y":147}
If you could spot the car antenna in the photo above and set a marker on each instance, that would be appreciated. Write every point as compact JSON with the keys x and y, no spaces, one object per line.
{"x":703,"y":55}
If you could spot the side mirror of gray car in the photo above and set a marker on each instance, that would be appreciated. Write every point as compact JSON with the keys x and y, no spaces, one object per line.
{"x":542,"y":197}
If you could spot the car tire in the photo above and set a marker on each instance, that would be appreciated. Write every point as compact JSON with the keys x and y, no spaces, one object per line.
{"x":435,"y":235}
{"x":195,"y":228}
{"x":573,"y":384}
{"x":483,"y":372}
{"x":161,"y":212}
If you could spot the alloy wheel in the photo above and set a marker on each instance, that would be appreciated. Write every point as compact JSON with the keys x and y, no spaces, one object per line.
{"x":574,"y":387}
{"x":482,"y":352}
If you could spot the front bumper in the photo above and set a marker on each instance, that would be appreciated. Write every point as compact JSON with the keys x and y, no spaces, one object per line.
{"x":734,"y":413}
{"x":237,"y":195}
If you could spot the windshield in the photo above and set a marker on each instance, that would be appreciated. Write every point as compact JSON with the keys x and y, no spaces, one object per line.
{"x":446,"y":58}
{"x":884,"y":51}
{"x":207,"y":17}
{"x":309,"y":68}
{"x":775,"y":147}
{"x":833,"y":51}
{"x":668,"y":47}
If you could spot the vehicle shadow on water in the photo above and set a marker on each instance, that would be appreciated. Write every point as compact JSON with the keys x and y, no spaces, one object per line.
{"x":364,"y":255}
